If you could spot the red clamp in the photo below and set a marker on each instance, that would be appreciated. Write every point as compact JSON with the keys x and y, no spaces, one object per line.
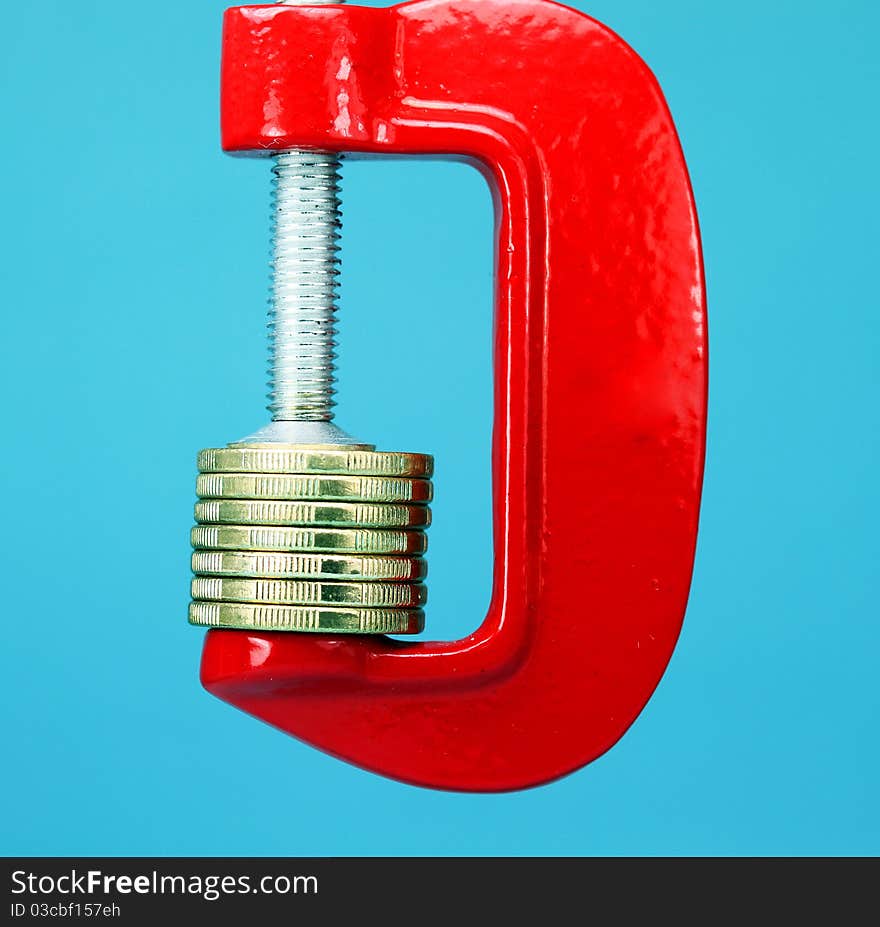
{"x":600,"y":377}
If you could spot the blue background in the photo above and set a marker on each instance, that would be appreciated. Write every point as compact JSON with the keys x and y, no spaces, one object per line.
{"x":133,"y":259}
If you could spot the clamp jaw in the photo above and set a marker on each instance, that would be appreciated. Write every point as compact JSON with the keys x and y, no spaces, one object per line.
{"x":600,"y":380}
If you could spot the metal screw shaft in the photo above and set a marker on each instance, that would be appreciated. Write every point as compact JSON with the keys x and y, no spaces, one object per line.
{"x":305,"y":266}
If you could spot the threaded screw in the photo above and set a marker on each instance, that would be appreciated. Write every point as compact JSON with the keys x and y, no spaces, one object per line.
{"x":305,"y":267}
{"x":306,"y":223}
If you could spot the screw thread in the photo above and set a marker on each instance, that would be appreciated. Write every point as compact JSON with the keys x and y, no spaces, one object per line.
{"x":306,"y":220}
{"x":305,"y":267}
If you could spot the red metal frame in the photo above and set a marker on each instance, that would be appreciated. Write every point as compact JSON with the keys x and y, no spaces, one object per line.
{"x":600,"y":380}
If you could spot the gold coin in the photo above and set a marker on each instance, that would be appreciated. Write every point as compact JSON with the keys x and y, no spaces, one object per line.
{"x":307,"y":566}
{"x":308,"y":592}
{"x":307,"y":618}
{"x":325,"y":540}
{"x":299,"y":459}
{"x":282,"y":512}
{"x":311,"y":486}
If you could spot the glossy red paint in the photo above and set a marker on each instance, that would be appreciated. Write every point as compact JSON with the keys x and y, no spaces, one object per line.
{"x":600,"y":381}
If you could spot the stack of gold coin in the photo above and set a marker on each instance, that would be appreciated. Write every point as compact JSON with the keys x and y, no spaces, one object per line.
{"x":298,"y":538}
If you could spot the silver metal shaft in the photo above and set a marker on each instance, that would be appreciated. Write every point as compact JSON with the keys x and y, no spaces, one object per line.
{"x":305,"y":265}
{"x":306,"y":223}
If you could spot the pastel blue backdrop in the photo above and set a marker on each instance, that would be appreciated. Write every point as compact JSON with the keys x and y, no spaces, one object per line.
{"x":133,"y":259}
